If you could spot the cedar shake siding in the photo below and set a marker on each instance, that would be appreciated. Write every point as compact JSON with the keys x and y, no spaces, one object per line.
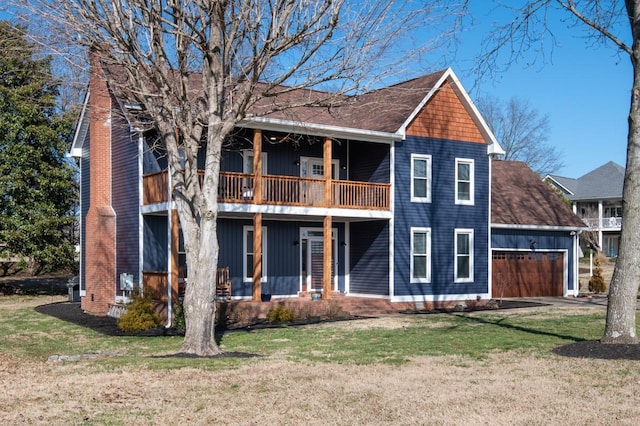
{"x":444,"y":117}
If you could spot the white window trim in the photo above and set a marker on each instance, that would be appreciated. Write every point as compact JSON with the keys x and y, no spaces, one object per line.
{"x":428,"y":278}
{"x":246,"y":268}
{"x":426,"y":199}
{"x":472,"y":180}
{"x":455,"y":256}
{"x":248,"y":154}
{"x":304,"y":166}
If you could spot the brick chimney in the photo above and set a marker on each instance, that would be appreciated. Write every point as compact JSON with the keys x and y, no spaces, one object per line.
{"x":100,"y":241}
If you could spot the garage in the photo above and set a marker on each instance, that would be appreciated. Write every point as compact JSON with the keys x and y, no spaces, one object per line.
{"x":527,"y":274}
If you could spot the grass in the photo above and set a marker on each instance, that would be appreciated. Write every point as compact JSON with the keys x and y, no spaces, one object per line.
{"x":29,"y":335}
{"x":421,"y":369}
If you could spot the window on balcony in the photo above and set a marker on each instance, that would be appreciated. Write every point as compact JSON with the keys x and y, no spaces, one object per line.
{"x":420,"y":178}
{"x":247,"y":248}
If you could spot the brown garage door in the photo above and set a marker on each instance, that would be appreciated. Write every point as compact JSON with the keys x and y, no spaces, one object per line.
{"x":527,"y":274}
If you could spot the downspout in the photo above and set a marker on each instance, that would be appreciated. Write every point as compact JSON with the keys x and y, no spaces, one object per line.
{"x":169,"y":249}
{"x":140,"y":204}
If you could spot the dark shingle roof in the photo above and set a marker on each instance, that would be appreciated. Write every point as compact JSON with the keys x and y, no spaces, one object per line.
{"x":380,"y":110}
{"x":520,"y":197}
{"x":602,"y":183}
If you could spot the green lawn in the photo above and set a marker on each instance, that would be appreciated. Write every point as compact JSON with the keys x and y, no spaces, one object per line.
{"x":29,"y":335}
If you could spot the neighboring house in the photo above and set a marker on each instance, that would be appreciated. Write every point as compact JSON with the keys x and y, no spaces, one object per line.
{"x":397,"y":180}
{"x":534,"y":236}
{"x":597,"y":199}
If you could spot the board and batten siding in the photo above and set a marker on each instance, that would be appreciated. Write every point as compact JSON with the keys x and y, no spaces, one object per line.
{"x":442,"y":216}
{"x":369,"y":254}
{"x":126,"y":198}
{"x":283,"y":255}
{"x":369,"y":162}
{"x":155,"y":245}
{"x":521,"y":240}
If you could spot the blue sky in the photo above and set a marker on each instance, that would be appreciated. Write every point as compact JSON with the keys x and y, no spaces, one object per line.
{"x":585,"y":90}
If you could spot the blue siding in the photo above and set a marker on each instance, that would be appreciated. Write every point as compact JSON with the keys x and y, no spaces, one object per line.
{"x":282,"y":157}
{"x":369,"y":162}
{"x":126,"y":197}
{"x":283,"y":255}
{"x":369,"y":254}
{"x":516,"y":239}
{"x":155,"y":244}
{"x":85,"y":184}
{"x":442,"y":215}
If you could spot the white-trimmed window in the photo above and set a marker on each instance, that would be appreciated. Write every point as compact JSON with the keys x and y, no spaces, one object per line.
{"x":247,"y":251}
{"x":247,"y":161}
{"x":420,"y":178}
{"x":463,"y":262}
{"x":464,"y":181}
{"x":420,"y":255}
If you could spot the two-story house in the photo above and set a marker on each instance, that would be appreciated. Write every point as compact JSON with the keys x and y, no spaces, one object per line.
{"x":387,"y":195}
{"x":597,"y":198}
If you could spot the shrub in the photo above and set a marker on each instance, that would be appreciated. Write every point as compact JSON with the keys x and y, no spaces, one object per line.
{"x":280,"y":314}
{"x":140,"y":315}
{"x":596,"y":283}
{"x":178,"y":317}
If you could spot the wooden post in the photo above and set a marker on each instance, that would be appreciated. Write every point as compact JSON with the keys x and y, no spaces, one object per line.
{"x":327,"y":284}
{"x":327,"y":246}
{"x":257,"y":166}
{"x":326,"y":157}
{"x":257,"y":256}
{"x":175,"y":264}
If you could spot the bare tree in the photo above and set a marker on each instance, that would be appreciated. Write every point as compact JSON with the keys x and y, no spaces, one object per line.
{"x":609,"y":22}
{"x":236,"y":52}
{"x":523,"y":133}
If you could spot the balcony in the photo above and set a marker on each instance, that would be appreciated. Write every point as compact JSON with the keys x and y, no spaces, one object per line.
{"x":283,"y":191}
{"x":606,"y":223}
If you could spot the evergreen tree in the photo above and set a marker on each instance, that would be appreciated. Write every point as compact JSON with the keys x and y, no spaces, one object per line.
{"x":37,"y":191}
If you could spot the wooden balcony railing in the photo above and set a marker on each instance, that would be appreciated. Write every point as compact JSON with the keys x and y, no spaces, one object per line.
{"x":287,"y":191}
{"x":155,"y":187}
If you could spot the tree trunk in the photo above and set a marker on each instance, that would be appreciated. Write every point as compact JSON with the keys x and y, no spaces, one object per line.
{"x":623,"y":291}
{"x":199,"y":301}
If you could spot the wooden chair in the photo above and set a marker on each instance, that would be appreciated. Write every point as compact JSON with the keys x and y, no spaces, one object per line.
{"x":223,"y":284}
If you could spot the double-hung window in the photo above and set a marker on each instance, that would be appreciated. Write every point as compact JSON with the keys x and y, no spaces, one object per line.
{"x":420,"y":178}
{"x":463,"y":261}
{"x":420,"y":255}
{"x":464,"y":181}
{"x":247,"y":249}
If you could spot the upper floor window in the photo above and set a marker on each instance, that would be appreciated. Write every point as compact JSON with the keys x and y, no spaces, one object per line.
{"x":463,"y":262}
{"x":420,"y":255}
{"x":420,"y":178}
{"x":247,"y":161}
{"x":464,"y":181}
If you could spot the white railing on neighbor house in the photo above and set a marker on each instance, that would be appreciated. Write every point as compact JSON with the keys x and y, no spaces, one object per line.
{"x":604,"y":223}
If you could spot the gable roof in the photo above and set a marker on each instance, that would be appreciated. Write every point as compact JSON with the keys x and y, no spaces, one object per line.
{"x":378,"y":115}
{"x":520,"y":199}
{"x":604,"y":182}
